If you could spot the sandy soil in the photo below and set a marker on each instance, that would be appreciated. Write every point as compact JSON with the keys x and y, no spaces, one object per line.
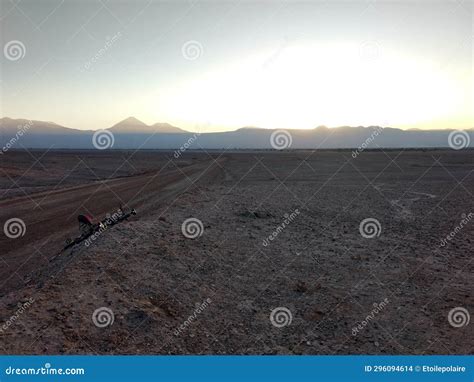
{"x":23,"y":173}
{"x":51,"y":214}
{"x":214,"y":294}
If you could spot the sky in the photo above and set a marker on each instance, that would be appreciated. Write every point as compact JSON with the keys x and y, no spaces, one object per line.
{"x":227,"y":64}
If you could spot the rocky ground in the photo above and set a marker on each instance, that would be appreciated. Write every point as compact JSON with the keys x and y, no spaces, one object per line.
{"x":274,"y":262}
{"x":27,"y":172}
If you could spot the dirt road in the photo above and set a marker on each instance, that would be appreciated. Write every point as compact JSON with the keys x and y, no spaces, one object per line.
{"x":283,"y":262}
{"x":50,"y":217}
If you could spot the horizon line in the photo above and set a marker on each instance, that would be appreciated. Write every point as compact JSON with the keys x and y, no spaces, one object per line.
{"x":238,"y":128}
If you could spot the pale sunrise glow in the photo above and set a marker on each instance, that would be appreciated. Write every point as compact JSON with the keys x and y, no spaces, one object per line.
{"x":335,"y":84}
{"x":220,"y":66}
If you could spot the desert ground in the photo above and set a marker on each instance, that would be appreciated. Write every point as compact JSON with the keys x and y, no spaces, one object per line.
{"x":278,"y":263}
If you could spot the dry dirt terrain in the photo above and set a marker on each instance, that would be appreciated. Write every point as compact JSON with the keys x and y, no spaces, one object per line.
{"x":276,"y":261}
{"x":57,"y":186}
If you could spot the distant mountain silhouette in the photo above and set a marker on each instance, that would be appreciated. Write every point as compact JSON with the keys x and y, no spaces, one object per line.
{"x":11,"y":126}
{"x":132,"y":125}
{"x":133,"y":134}
{"x":128,"y":125}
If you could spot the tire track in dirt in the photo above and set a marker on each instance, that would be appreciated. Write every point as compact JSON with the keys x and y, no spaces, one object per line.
{"x":48,"y":226}
{"x":403,"y":205}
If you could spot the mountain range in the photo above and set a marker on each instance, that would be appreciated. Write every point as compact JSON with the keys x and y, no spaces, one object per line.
{"x":134,"y":134}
